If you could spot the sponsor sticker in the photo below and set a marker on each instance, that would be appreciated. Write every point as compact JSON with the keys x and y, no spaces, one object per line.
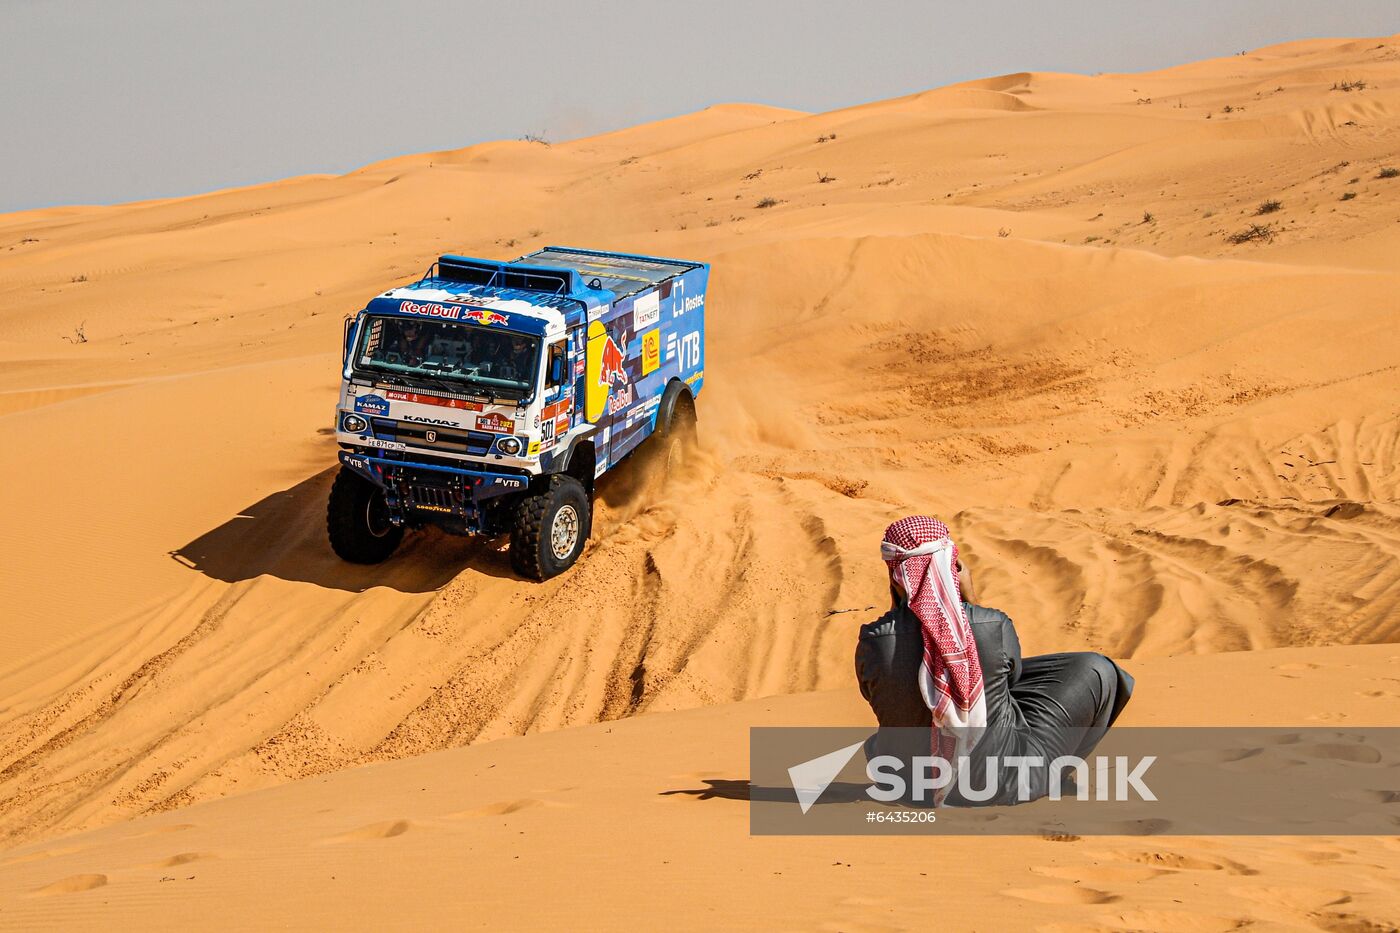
{"x":482,"y":316}
{"x":506,"y":482}
{"x":621,"y":398}
{"x":421,"y":399}
{"x":646,"y":311}
{"x":533,"y":449}
{"x":371,"y":405}
{"x":495,"y":422}
{"x":651,"y":351}
{"x":432,"y":309}
{"x":690,"y":350}
{"x":683,"y":305}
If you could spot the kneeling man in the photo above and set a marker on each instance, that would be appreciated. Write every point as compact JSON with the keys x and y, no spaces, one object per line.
{"x":946,"y":677}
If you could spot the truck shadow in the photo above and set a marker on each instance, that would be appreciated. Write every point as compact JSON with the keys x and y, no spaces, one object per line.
{"x":284,"y":536}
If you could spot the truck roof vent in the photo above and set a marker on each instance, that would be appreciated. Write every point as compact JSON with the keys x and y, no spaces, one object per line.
{"x":506,"y":275}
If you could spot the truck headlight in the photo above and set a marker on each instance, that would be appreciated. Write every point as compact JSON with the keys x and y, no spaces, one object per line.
{"x":510,"y":446}
{"x":354,"y":424}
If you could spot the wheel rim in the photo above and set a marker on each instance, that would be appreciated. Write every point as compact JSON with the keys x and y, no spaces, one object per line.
{"x":377,"y":516}
{"x":563,"y":532}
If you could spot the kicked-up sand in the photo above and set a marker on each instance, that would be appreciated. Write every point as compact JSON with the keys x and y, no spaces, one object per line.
{"x":1161,"y":415}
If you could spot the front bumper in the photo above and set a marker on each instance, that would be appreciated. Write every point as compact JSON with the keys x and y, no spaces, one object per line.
{"x":418,"y":493}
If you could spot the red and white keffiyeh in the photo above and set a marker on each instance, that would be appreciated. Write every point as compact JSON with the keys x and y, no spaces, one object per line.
{"x":922,"y":559}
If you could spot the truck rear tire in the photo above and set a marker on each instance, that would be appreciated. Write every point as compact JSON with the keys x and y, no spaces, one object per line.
{"x":551,"y":528}
{"x":676,"y":430}
{"x":357,"y":521}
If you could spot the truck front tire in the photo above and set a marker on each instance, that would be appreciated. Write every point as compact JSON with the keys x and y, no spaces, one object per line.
{"x":551,"y":528}
{"x":357,"y":521}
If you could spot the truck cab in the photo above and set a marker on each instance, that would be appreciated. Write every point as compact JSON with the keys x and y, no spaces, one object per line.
{"x":487,"y":397}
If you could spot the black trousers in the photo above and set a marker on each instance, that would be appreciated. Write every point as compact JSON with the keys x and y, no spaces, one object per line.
{"x":1066,"y":703}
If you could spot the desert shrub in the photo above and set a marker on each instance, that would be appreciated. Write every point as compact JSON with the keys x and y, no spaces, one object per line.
{"x":1388,"y":172}
{"x":1348,"y":195}
{"x":766,"y":203}
{"x":1268,"y":207}
{"x":1252,"y":233}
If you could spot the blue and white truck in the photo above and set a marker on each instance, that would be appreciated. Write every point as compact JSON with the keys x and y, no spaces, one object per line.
{"x":487,"y":397}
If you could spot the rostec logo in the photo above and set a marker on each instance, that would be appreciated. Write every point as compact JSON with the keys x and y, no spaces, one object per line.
{"x":688,"y":304}
{"x":432,"y":310}
{"x":482,"y":316}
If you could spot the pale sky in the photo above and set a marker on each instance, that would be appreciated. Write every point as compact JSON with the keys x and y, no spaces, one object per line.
{"x":103,"y":101}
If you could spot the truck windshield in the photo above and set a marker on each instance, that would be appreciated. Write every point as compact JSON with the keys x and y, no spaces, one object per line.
{"x":450,"y":355}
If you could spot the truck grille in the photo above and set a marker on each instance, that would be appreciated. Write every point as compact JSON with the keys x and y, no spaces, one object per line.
{"x":431,"y":498}
{"x":455,"y":440}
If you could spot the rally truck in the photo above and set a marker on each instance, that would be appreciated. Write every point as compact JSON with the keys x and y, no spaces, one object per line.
{"x":487,"y":397}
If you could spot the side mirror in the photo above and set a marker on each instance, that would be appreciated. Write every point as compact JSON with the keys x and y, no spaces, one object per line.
{"x":556,"y":369}
{"x":345,"y":341}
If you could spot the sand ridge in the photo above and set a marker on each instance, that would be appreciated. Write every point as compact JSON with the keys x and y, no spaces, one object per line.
{"x":1012,"y":302}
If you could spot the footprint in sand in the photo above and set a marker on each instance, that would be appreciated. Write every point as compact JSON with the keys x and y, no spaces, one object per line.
{"x":1358,"y":753}
{"x":504,"y":808}
{"x":388,"y":829}
{"x":1296,"y":897}
{"x":72,"y":884}
{"x":163,"y":830}
{"x":39,"y":856}
{"x":1179,"y":921}
{"x":181,"y":858}
{"x":1101,"y":874}
{"x":1176,"y":860}
{"x":1062,"y":894}
{"x":1369,"y":796}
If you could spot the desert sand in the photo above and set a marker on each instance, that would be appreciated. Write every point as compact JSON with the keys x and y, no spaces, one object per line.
{"x":1014,"y":303}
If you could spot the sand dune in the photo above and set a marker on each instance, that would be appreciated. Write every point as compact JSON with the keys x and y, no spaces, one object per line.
{"x":1012,"y":302}
{"x":649,"y":817}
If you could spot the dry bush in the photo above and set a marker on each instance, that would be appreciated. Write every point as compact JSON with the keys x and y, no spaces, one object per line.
{"x":1253,"y":233}
{"x":1268,"y":207}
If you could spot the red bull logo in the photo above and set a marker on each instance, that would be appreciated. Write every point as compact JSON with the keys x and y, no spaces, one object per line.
{"x":612,"y":372}
{"x":483,"y":316}
{"x":606,"y":370}
{"x":431,"y":309}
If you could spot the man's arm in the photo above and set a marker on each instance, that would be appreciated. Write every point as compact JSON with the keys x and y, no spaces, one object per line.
{"x":1011,"y":644}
